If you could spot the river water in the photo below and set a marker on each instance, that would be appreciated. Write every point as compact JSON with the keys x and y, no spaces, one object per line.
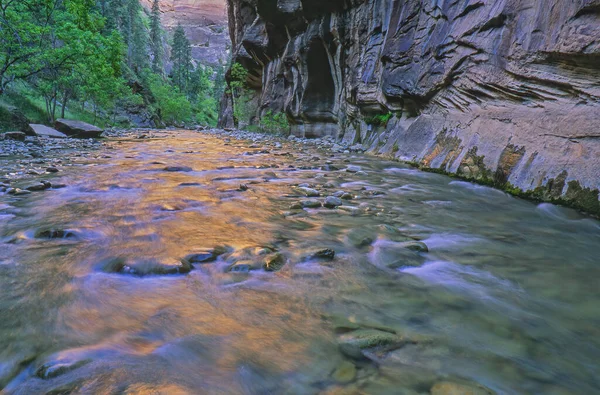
{"x":506,"y":300}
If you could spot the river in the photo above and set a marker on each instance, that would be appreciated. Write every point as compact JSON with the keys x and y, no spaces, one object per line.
{"x":436,"y":285}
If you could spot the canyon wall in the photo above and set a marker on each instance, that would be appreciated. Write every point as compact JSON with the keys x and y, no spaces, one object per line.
{"x":205,"y":25}
{"x":505,"y":92}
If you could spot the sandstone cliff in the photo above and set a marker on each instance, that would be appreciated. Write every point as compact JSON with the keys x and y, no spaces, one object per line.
{"x":205,"y":24}
{"x":506,"y":92}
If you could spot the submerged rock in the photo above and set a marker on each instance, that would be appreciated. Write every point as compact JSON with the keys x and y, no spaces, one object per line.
{"x":310,"y":203}
{"x":345,"y":373}
{"x":452,"y":388}
{"x":274,"y":262}
{"x":184,"y":169}
{"x":353,"y":344}
{"x":206,"y":255}
{"x":326,"y":254}
{"x":145,"y":267}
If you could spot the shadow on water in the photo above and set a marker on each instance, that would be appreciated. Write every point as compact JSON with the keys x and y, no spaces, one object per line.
{"x":195,"y":265}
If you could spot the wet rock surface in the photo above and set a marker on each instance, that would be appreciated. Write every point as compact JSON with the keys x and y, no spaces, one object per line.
{"x":474,"y":88}
{"x":132,"y":278}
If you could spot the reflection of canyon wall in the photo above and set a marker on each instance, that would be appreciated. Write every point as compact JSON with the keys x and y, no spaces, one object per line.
{"x":505,"y":91}
{"x":205,"y":24}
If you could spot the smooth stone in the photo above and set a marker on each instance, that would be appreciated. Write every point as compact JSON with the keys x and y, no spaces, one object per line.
{"x":418,"y":246}
{"x":353,"y":343}
{"x":452,"y":388}
{"x":345,"y":373}
{"x":353,"y":169}
{"x":45,"y":131}
{"x":77,"y":128}
{"x":144,"y":268}
{"x":332,"y":202}
{"x":205,"y":255}
{"x":296,"y":206}
{"x":360,"y":237}
{"x":178,"y":168}
{"x":241,"y":267}
{"x":310,"y":203}
{"x":39,"y":187}
{"x":308,"y":192}
{"x":52,"y":170}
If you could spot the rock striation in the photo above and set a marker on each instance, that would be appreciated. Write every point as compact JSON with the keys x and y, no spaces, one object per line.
{"x":504,"y":92}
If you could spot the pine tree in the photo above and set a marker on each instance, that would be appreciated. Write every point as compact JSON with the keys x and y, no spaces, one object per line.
{"x":181,"y":56}
{"x":156,"y":39}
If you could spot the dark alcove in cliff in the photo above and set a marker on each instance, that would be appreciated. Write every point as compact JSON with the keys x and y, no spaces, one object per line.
{"x":319,"y":97}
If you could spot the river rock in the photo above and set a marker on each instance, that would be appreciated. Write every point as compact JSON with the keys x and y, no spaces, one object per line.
{"x":353,"y":344}
{"x":77,"y":128}
{"x":17,"y":136}
{"x":312,"y":203}
{"x":308,"y":192}
{"x":146,"y":267}
{"x":325,"y":254}
{"x":44,"y":131}
{"x":452,"y":388}
{"x":345,"y":373}
{"x":57,"y":367}
{"x":274,"y":262}
{"x":183,"y":169}
{"x":332,"y":202}
{"x":205,"y":255}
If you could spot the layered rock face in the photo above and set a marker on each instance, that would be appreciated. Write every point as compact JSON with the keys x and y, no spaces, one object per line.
{"x":205,"y":24}
{"x":506,"y":91}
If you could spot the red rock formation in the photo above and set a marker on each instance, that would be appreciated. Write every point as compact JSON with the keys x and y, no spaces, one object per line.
{"x":205,"y":23}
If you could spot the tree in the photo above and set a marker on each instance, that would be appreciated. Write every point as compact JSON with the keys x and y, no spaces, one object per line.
{"x":240,"y":94}
{"x":181,"y":56}
{"x":156,"y":39}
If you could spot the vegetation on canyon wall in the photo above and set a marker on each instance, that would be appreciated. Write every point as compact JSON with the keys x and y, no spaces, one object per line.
{"x":100,"y":61}
{"x":245,"y":110}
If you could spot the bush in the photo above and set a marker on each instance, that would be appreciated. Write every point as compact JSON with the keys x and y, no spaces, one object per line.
{"x":174,"y":106}
{"x":275,"y":123}
{"x":379,"y":119}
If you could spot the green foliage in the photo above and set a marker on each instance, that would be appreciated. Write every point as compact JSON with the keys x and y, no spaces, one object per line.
{"x":240,"y":94}
{"x":379,"y":119}
{"x":95,"y":55}
{"x":275,"y":123}
{"x":174,"y":105}
{"x":156,"y":35}
{"x":181,"y":56}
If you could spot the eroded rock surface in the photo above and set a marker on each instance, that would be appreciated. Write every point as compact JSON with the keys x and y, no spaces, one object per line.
{"x":502,"y":92}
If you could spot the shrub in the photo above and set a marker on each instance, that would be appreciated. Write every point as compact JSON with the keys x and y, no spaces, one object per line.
{"x":275,"y":123}
{"x":379,"y":119}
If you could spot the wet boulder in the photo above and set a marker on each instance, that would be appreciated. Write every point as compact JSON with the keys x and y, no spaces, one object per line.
{"x":77,"y":128}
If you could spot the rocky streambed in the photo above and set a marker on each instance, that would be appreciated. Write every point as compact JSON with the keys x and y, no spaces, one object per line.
{"x":184,"y":262}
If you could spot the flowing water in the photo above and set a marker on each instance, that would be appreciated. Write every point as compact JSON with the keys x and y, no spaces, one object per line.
{"x":507,"y":296}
